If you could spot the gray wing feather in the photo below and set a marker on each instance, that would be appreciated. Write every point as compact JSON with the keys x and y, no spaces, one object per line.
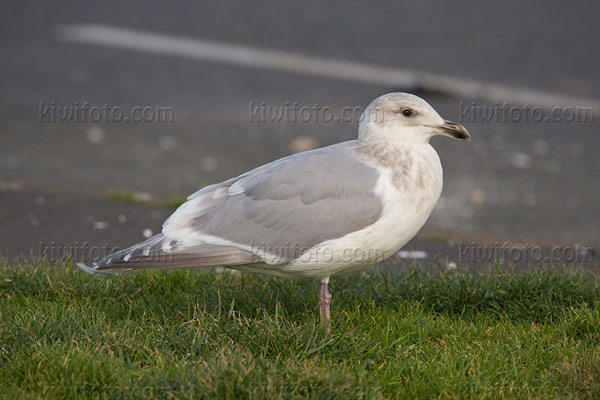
{"x":285,"y":207}
{"x":160,"y":252}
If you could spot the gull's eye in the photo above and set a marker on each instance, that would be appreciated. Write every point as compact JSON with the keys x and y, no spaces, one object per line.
{"x":407,"y":112}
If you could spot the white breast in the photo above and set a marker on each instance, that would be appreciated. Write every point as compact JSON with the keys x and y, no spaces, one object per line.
{"x":408,"y":202}
{"x":407,"y":206}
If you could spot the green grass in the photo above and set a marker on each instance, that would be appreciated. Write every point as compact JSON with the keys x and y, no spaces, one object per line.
{"x":128,"y":197}
{"x":184,"y":334}
{"x":144,"y":199}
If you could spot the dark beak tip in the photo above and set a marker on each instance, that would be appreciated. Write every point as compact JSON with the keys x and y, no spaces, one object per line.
{"x":453,"y":130}
{"x":458,"y":131}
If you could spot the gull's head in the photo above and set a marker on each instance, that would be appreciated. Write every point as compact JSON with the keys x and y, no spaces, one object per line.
{"x":405,"y":118}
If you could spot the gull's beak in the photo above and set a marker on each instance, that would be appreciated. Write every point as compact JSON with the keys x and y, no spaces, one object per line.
{"x":451,"y":129}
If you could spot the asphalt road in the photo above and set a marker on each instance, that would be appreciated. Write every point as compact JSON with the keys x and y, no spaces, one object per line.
{"x":517,"y":180}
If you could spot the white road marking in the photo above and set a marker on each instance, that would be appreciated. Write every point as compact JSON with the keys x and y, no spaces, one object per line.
{"x":310,"y":65}
{"x":412,"y":254}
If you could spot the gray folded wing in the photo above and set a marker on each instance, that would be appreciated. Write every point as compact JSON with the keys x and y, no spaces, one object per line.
{"x":280,"y":210}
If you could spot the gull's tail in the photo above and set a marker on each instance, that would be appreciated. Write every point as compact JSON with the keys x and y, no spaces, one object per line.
{"x":160,"y":252}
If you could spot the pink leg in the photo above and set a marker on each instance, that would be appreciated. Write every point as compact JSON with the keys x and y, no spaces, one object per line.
{"x":324,"y":303}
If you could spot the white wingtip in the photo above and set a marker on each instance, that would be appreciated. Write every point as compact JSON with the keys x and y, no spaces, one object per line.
{"x":93,"y":271}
